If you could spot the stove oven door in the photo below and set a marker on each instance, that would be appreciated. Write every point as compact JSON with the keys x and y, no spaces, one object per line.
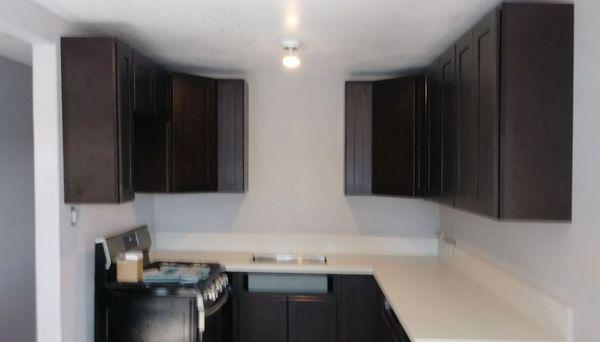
{"x":148,"y":318}
{"x":143,"y":318}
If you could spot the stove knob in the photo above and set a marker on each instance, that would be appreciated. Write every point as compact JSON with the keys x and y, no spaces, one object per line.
{"x":225,"y":279}
{"x":206,"y":294}
{"x":213,"y":292}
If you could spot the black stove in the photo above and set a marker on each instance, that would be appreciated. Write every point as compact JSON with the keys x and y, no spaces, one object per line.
{"x":158,"y":310}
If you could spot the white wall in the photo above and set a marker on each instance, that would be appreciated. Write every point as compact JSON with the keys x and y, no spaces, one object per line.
{"x":296,"y":171}
{"x":563,"y":259}
{"x":17,"y":226}
{"x":64,"y":254}
{"x":77,"y":255}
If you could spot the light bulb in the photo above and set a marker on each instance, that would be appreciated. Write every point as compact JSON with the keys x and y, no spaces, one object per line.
{"x":291,"y":61}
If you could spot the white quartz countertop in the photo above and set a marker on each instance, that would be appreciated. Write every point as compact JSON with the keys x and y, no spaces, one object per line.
{"x":433,"y":301}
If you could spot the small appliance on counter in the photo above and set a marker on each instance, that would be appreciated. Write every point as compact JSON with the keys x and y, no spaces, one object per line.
{"x":139,"y":300}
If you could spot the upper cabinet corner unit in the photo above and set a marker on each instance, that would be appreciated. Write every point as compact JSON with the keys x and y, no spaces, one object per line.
{"x":130,"y":125}
{"x":97,"y":120}
{"x":500,"y":104}
{"x":200,"y":146}
{"x":384,"y":145}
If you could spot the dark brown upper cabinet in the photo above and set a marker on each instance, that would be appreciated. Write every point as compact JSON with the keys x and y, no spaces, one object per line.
{"x":201,"y":145}
{"x":144,"y":85}
{"x":396,"y":111}
{"x":513,"y":97}
{"x":442,"y":127}
{"x":232,"y":135}
{"x":383,"y":141}
{"x":97,"y":99}
{"x":359,"y":114}
{"x":449,"y":126}
{"x":194,"y":134}
{"x":433,"y":109}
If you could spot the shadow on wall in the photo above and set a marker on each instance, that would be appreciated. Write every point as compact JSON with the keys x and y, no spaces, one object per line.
{"x":195,"y":213}
{"x":393,"y":216}
{"x":226,"y":213}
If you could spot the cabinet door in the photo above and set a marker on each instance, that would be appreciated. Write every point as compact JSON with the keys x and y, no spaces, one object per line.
{"x":394,"y":137}
{"x":449,"y":133}
{"x":359,"y":308}
{"x":467,"y":190}
{"x":422,"y":141}
{"x":144,"y":86}
{"x":487,"y":114}
{"x":231,"y":107}
{"x":435,"y":131}
{"x":125,"y":118}
{"x":139,"y":318}
{"x":163,"y":94}
{"x":312,"y":319}
{"x":358,"y":111}
{"x":194,"y":134}
{"x":263,"y":318}
{"x":152,"y":167}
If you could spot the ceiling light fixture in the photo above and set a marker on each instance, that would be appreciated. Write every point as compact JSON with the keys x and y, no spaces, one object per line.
{"x":291,"y":60}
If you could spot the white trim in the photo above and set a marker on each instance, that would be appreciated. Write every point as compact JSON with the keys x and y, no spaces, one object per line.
{"x":296,"y":243}
{"x":531,"y":301}
{"x":48,"y":191}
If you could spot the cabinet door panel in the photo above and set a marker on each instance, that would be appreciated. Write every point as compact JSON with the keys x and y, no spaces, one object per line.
{"x":358,"y":111}
{"x":359,"y":304}
{"x":97,"y":120}
{"x":231,"y":135}
{"x":449,"y":134}
{"x":434,"y":110}
{"x":144,"y":85}
{"x":163,"y":94}
{"x":468,"y":125}
{"x":125,"y":124}
{"x":152,"y":156}
{"x":194,"y":134}
{"x":263,"y":318}
{"x":312,"y":319}
{"x":487,"y":113}
{"x":394,"y":135}
{"x":422,"y":140}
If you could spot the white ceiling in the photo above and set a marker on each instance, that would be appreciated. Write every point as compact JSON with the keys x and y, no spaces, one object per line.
{"x":236,"y":36}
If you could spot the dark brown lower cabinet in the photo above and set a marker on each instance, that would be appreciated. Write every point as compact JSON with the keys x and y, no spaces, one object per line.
{"x":312,"y":319}
{"x":352,"y":311}
{"x":359,"y":306}
{"x":263,"y":317}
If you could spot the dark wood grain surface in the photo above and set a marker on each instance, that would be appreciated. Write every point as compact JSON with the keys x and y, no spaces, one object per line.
{"x":358,"y":138}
